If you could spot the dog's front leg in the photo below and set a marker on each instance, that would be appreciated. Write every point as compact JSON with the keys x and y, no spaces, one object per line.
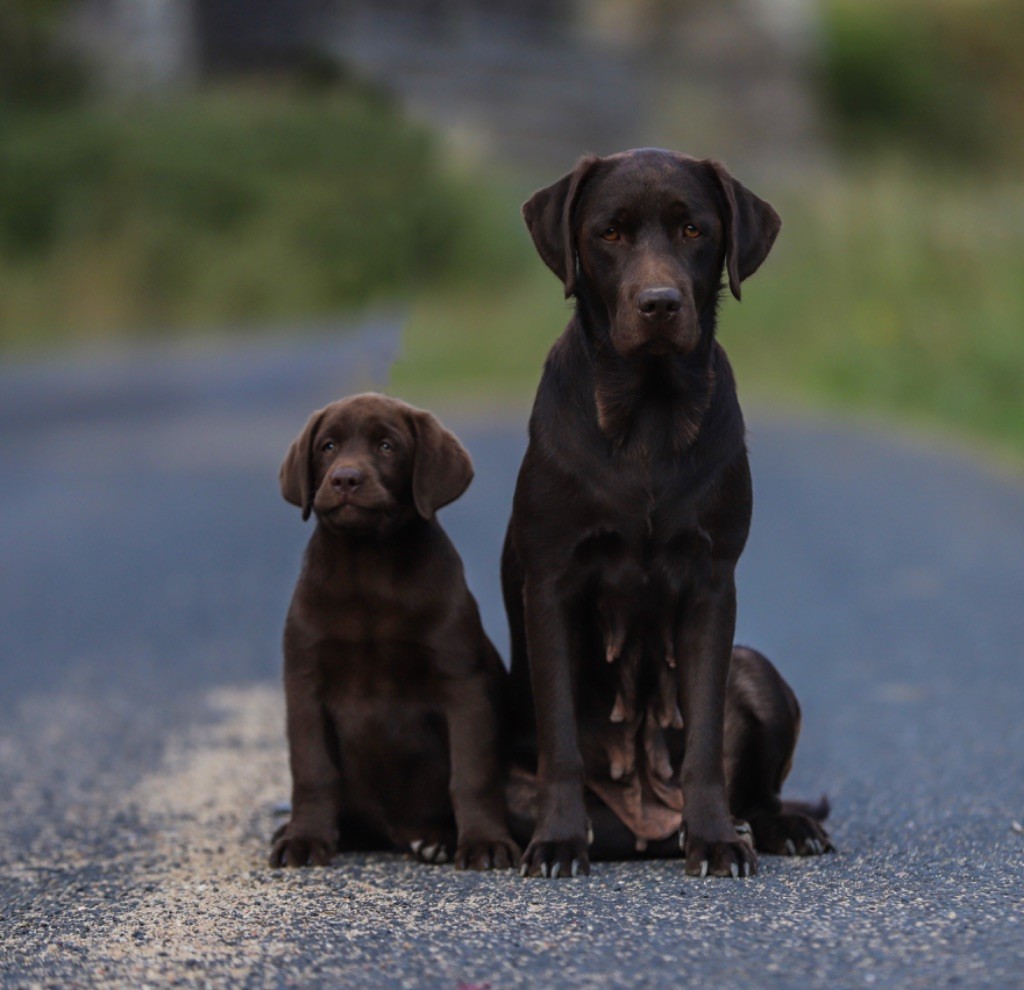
{"x":477,"y":794}
{"x":311,"y":835}
{"x":709,"y":838}
{"x":559,"y":844}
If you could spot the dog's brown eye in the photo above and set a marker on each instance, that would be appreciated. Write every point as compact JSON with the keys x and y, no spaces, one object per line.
{"x":385,"y":446}
{"x":610,"y":234}
{"x":691,"y":231}
{"x":327,"y":446}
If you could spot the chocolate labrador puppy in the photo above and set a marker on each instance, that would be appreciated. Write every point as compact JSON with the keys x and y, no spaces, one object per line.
{"x":391,"y":684}
{"x":631,"y":510}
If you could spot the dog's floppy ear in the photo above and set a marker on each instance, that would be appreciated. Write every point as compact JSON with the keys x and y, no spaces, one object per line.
{"x":441,"y":467}
{"x":548,"y":216}
{"x":296,"y":472}
{"x":751,"y":226}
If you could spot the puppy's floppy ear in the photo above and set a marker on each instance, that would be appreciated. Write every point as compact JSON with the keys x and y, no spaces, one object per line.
{"x":296,"y":472}
{"x":751,"y":226}
{"x":548,"y":216}
{"x":441,"y":467}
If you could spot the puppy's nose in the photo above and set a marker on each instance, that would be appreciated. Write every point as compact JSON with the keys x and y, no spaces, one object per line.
{"x":659,"y":304}
{"x":346,"y":479}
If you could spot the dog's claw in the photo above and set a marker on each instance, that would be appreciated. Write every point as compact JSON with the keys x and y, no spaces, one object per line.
{"x":428,"y":851}
{"x":704,"y":868}
{"x":682,"y":838}
{"x":545,"y":870}
{"x":416,"y":845}
{"x":734,"y":870}
{"x":746,"y":869}
{"x":790,"y":848}
{"x":556,"y":869}
{"x":575,"y":869}
{"x":442,"y":855}
{"x":524,"y":869}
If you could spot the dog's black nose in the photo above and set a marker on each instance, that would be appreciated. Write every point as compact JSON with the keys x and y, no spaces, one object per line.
{"x":659,"y":304}
{"x":346,"y":479}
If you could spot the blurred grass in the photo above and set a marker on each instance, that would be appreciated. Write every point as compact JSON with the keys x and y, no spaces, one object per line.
{"x":250,"y":204}
{"x":894,"y":290}
{"x":888,"y":289}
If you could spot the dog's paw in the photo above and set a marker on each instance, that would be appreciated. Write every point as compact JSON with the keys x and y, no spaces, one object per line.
{"x":714,"y":857}
{"x":497,"y":854}
{"x":297,"y":847}
{"x":560,"y":858}
{"x":790,"y":834}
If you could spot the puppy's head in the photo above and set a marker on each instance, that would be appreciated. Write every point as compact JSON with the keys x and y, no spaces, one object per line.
{"x":645,"y":235}
{"x":370,"y":464}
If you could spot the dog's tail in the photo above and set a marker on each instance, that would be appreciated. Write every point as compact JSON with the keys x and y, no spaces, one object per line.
{"x":819,"y":811}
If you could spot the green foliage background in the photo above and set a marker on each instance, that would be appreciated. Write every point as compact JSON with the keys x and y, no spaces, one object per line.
{"x":897,"y":282}
{"x":249,"y":204}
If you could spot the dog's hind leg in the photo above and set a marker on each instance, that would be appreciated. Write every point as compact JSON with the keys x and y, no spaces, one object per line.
{"x":762,"y":725}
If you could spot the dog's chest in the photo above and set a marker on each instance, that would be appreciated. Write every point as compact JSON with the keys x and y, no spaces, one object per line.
{"x":644,"y":566}
{"x":644,"y":516}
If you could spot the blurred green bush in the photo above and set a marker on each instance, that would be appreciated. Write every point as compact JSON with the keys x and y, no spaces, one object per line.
{"x":942,"y":79}
{"x":255,"y":203}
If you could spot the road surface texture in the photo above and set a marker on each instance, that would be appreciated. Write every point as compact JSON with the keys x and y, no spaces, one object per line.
{"x":146,"y":560}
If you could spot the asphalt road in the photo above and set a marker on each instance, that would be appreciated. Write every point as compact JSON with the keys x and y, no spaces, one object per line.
{"x":146,"y":560}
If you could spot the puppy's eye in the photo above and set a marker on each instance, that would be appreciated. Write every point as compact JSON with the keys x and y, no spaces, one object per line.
{"x":691,"y":231}
{"x":327,"y":446}
{"x":385,"y":446}
{"x":610,"y":234}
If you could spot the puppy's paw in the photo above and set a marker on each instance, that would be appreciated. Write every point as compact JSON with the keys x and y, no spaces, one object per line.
{"x":790,"y":834}
{"x":558,"y":858}
{"x":432,"y":847}
{"x":719,"y":857}
{"x":294,"y":846}
{"x":497,"y":854}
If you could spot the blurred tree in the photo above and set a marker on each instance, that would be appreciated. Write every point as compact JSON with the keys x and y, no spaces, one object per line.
{"x":36,"y":70}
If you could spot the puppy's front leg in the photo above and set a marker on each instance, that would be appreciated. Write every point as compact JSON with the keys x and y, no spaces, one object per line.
{"x":559,"y":843}
{"x":710,"y":841}
{"x":476,"y":787}
{"x":311,"y":836}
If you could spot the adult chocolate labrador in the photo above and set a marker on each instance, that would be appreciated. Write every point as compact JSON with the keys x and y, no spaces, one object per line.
{"x":392,"y":686}
{"x":631,"y":510}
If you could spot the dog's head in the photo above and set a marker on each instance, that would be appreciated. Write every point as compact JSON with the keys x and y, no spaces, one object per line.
{"x":370,"y":463}
{"x":646,"y":235}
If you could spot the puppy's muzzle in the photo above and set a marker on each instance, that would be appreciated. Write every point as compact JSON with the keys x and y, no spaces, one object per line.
{"x":346,"y":480}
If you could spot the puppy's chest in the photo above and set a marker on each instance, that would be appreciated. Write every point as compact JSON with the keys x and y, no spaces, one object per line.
{"x":370,"y":638}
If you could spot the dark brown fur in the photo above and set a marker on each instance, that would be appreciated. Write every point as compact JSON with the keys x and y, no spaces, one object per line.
{"x":392,"y":686}
{"x":631,"y":510}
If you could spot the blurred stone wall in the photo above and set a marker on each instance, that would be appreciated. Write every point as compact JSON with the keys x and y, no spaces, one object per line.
{"x":135,"y":45}
{"x":534,"y":83}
